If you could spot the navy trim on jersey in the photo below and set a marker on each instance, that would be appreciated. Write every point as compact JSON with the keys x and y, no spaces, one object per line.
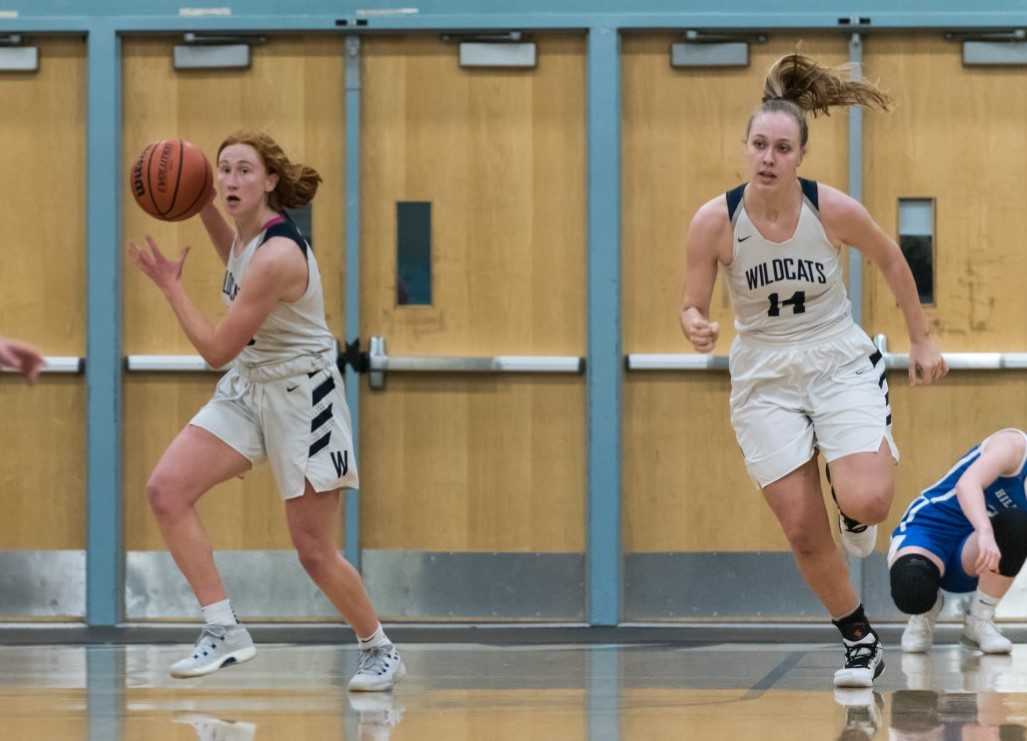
{"x":812,"y":193}
{"x":734,"y":200}
{"x":288,"y":229}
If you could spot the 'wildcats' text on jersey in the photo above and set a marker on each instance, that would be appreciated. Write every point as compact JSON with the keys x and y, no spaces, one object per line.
{"x":785,"y":268}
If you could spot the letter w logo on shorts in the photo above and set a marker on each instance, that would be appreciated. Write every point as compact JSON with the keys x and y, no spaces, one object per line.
{"x":341,"y":462}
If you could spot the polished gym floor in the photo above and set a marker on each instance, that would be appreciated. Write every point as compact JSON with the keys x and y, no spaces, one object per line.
{"x":473,"y":691}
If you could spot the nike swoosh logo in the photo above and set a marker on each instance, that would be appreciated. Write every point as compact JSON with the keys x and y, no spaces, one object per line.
{"x":290,"y":389}
{"x":742,"y":239}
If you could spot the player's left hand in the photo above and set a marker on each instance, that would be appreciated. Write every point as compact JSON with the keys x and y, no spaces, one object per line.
{"x":926,"y":364}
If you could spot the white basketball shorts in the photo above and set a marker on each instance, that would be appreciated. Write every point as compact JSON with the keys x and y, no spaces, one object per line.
{"x":787,"y":402}
{"x":293,"y":414}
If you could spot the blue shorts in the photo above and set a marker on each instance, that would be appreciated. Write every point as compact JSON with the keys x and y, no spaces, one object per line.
{"x":944,"y":537}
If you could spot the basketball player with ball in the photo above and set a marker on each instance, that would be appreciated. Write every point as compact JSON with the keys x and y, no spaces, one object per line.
{"x":282,"y":398}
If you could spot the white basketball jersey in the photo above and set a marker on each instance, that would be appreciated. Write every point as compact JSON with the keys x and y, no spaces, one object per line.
{"x":788,"y":291}
{"x":291,"y":330}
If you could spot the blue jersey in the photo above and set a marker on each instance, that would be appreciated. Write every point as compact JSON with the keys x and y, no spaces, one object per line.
{"x":939,"y":502}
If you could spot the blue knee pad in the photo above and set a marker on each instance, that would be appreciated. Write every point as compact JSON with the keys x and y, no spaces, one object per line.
{"x":1010,"y":528}
{"x":914,"y":583}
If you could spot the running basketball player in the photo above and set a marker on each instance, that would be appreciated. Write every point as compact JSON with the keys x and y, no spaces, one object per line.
{"x":965,"y":533}
{"x":804,"y":377}
{"x":21,"y":358}
{"x":282,"y":400}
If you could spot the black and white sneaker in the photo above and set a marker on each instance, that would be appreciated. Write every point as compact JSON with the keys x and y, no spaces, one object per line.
{"x":864,"y":662}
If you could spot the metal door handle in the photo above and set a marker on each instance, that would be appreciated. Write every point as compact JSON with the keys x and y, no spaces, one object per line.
{"x":692,"y":361}
{"x":169,"y":364}
{"x":58,"y":364}
{"x":381,"y":362}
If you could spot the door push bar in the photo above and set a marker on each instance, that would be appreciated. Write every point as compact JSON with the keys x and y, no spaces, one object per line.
{"x":380,"y":363}
{"x":377,"y":362}
{"x":66,"y":364}
{"x":979,"y":361}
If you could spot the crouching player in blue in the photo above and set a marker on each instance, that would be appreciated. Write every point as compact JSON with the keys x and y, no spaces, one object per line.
{"x":967,"y":532}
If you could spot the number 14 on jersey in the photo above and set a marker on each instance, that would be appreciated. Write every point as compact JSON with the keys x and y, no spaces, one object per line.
{"x":797,"y":302}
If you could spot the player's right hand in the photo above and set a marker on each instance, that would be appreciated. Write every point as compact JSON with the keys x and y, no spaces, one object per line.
{"x":699,"y":330}
{"x":988,"y":554}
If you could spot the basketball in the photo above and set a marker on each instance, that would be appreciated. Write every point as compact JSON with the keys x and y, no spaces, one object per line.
{"x":172,"y":180}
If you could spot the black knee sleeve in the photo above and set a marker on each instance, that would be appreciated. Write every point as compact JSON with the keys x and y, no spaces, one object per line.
{"x":914,"y":583}
{"x":1010,"y":527}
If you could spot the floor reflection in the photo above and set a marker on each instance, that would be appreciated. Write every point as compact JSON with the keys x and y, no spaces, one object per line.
{"x":469,"y":692}
{"x":377,"y":714}
{"x":924,"y":715}
{"x":209,"y":728}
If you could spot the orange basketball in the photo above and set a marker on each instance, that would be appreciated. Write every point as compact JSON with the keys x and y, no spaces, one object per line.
{"x":172,"y":180}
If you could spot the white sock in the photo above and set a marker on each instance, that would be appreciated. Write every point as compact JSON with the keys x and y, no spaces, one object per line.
{"x":219,"y":613}
{"x":375,"y":640}
{"x":983,"y":605}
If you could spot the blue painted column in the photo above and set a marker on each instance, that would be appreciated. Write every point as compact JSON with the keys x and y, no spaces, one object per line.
{"x":104,"y":555}
{"x":352,"y":547}
{"x":605,"y":362}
